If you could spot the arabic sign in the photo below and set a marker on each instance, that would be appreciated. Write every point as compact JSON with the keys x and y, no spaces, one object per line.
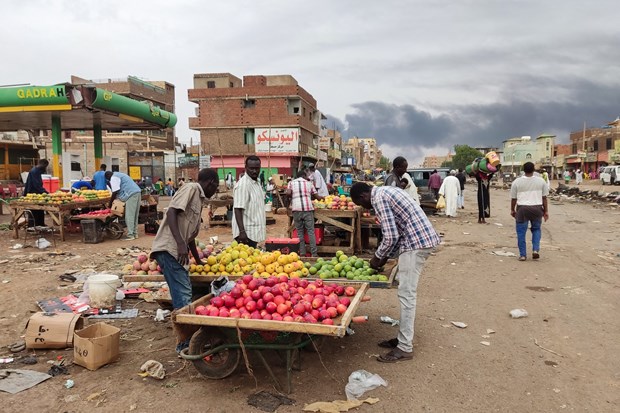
{"x":324,"y":142}
{"x":277,"y":141}
{"x":204,"y":161}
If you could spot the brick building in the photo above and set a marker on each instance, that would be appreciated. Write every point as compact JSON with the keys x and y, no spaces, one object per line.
{"x":270,"y":116}
{"x":594,"y":147}
{"x":434,"y":161}
{"x":366,"y":152}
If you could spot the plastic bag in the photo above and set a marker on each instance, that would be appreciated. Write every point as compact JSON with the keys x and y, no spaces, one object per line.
{"x":42,"y":243}
{"x":360,"y":382}
{"x":441,"y":202}
{"x":221,"y":285}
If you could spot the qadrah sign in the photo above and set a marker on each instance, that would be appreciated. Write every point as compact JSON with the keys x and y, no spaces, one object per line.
{"x":277,"y":141}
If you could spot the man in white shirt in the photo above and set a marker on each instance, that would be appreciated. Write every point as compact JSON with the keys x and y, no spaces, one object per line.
{"x":249,"y":225}
{"x":319,"y":181}
{"x":528,"y":203}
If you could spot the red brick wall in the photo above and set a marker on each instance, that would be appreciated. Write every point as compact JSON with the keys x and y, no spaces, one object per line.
{"x":231,"y":142}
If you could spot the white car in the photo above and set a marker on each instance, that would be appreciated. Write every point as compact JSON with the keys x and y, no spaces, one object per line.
{"x":610,"y":172}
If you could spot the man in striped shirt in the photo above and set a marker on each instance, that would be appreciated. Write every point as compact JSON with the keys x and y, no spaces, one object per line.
{"x":404,"y":225}
{"x":302,"y":192}
{"x":249,"y":225}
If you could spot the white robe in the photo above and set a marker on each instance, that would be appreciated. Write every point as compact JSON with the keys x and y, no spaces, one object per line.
{"x":450,"y":189}
{"x":411,"y":189}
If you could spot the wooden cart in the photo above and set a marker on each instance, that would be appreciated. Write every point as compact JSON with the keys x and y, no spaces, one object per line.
{"x":217,"y":343}
{"x":347,"y":220}
{"x":58,"y":212}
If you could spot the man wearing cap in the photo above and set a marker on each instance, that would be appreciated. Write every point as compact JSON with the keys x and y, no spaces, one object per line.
{"x":269,"y":189}
{"x":451,"y":190}
{"x":319,"y":181}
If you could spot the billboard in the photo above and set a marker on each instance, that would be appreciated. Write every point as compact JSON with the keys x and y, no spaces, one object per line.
{"x":279,"y":141}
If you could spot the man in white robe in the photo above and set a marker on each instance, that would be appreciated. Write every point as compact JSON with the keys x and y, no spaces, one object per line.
{"x":451,"y":189}
{"x":410,"y":187}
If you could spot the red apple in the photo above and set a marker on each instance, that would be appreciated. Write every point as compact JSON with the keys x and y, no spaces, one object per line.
{"x":345,"y":300}
{"x":303,"y":283}
{"x":267,"y":317}
{"x":247,"y":278}
{"x":256,"y":295}
{"x":271,"y":307}
{"x":260,"y":304}
{"x":239,"y":302}
{"x":283,"y":278}
{"x":279,"y":299}
{"x":256,"y":316}
{"x":299,"y":309}
{"x":287,"y":318}
{"x":328,"y":321}
{"x":253,"y":285}
{"x":229,"y":301}
{"x":217,"y":301}
{"x":235,"y":292}
{"x":276,"y":317}
{"x":247,"y":293}
{"x":214,"y":312}
{"x":224,"y":312}
{"x":341,"y":308}
{"x":200,"y":310}
{"x":333,"y":313}
{"x":268,"y":297}
{"x":339,"y":290}
{"x":251,"y":306}
{"x":282,"y":309}
{"x":350,"y":291}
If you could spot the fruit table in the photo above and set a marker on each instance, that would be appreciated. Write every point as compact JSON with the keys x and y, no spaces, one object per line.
{"x":347,"y":220}
{"x":213,"y":205}
{"x":58,"y":212}
{"x":217,"y":343}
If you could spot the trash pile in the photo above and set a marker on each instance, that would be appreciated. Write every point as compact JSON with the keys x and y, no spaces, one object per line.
{"x":564,"y":192}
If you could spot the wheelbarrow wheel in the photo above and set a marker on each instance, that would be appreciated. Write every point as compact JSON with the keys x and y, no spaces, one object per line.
{"x":216,"y":366}
{"x":115,"y":230}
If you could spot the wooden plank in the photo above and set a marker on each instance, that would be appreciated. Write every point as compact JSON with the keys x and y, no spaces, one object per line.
{"x":339,"y":224}
{"x":185,"y":316}
{"x":331,"y":249}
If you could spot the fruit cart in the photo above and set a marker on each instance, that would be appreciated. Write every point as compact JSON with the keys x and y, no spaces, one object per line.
{"x":59,"y":212}
{"x":110,"y":224}
{"x":217,"y":344}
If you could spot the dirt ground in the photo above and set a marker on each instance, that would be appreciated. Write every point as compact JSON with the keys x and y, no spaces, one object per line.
{"x":563,"y":357}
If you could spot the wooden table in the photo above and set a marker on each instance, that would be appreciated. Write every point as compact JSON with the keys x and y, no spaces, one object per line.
{"x":213,"y":204}
{"x":348,"y":220}
{"x":57,"y":212}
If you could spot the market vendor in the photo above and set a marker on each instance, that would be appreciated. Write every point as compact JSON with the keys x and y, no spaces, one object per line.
{"x":125,"y":189}
{"x":403,"y":225}
{"x":249,"y":222}
{"x":302,"y":192}
{"x":177,"y":234}
{"x":84,"y":183}
{"x":34,"y":185}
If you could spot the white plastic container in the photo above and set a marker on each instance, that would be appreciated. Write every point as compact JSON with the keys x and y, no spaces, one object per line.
{"x":102,"y":290}
{"x":268,"y":207}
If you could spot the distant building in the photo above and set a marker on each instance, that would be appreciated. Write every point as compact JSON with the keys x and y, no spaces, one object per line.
{"x":434,"y":161}
{"x":368,"y":154}
{"x":270,"y":116}
{"x":594,"y":147}
{"x":518,"y":151}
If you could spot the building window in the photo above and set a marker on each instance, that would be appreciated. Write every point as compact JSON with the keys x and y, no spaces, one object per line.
{"x":548,"y":143}
{"x":293,"y":106}
{"x":248,"y":136}
{"x":528,"y":156}
{"x":231,"y":84}
{"x":595,"y":146}
{"x":303,"y":112}
{"x":210,"y":84}
{"x":608,"y":143}
{"x":249,"y":103}
{"x":574,"y":148}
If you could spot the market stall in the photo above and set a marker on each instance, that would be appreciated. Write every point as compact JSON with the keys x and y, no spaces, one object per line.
{"x":218,"y":211}
{"x":347,"y":221}
{"x":60,"y":206}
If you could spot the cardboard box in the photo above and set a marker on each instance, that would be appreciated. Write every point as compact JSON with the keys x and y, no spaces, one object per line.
{"x":118,"y":208}
{"x":96,"y":345}
{"x":52,"y":330}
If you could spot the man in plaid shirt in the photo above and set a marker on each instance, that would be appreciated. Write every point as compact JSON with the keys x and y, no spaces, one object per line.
{"x":404,"y":225}
{"x":302,"y":192}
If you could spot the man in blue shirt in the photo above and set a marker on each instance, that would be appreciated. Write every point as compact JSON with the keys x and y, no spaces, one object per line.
{"x":99,"y":178}
{"x":405,"y":226}
{"x":125,"y":189}
{"x":84,"y":183}
{"x":34,"y":185}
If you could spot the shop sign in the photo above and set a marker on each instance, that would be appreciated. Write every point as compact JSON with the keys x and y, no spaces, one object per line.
{"x":277,"y":140}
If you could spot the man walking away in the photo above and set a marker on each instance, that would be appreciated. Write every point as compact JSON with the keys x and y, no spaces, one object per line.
{"x":403,"y":224}
{"x":451,"y":190}
{"x":249,"y":226}
{"x":302,"y":192}
{"x":319,"y":181}
{"x":434,"y":183}
{"x":528,"y":204}
{"x":101,"y":183}
{"x":125,"y":189}
{"x":399,"y":168}
{"x":34,"y":185}
{"x":578,"y":176}
{"x":462,"y":179}
{"x":177,"y":234}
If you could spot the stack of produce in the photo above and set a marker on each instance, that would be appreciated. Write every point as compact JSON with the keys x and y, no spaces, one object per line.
{"x":484,"y":166}
{"x":341,"y":266}
{"x":55,"y":198}
{"x":99,"y":212}
{"x":335,"y":202}
{"x":143,"y":265}
{"x":90,"y":195}
{"x":281,"y":299}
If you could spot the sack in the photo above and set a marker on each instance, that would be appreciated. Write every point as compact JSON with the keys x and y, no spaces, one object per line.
{"x":118,"y":208}
{"x":441,"y":202}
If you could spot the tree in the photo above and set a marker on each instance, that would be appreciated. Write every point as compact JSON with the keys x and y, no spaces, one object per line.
{"x":463,"y":156}
{"x":385,"y":163}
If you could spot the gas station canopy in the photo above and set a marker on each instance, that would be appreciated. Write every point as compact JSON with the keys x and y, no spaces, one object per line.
{"x":78,"y":108}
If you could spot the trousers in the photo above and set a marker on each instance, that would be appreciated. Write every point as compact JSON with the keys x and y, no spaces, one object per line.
{"x":304,"y":221}
{"x":132,"y":210}
{"x":410,"y":266}
{"x":177,"y":278}
{"x":536,"y":235}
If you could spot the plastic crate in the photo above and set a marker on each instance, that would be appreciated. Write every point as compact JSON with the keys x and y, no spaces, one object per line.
{"x":319,"y":234}
{"x":91,"y":231}
{"x":284,"y":245}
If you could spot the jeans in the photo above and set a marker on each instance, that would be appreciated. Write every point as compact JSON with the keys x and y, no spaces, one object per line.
{"x":132,"y":210}
{"x":536,"y":235}
{"x":177,"y":278}
{"x":304,"y":221}
{"x":410,"y":265}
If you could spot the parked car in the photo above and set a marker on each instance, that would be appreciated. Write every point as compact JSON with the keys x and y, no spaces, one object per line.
{"x":610,"y":172}
{"x":420,"y":176}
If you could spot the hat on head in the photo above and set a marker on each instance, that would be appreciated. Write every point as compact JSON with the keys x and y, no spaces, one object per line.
{"x":311,"y":166}
{"x":86,"y":178}
{"x":271,"y":178}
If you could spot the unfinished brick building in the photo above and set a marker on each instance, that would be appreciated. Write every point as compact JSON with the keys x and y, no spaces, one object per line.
{"x":270,"y":116}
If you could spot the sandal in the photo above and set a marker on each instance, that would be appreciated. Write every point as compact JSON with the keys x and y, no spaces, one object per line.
{"x":522,"y":258}
{"x":395,"y":355}
{"x":535,"y":255}
{"x":388,"y":343}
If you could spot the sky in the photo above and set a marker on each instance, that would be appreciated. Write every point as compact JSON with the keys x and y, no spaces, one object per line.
{"x":420,"y":76}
